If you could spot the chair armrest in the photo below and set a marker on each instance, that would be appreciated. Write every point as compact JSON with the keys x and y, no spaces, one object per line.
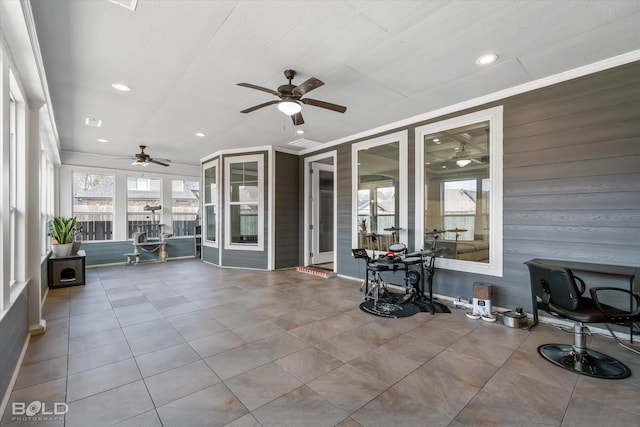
{"x":617,"y":317}
{"x":582,"y":285}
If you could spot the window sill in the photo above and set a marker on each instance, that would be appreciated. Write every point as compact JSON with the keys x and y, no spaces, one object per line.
{"x":244,"y":247}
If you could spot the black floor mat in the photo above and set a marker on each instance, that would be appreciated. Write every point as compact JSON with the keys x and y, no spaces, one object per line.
{"x":392,"y":306}
{"x":438,"y":307}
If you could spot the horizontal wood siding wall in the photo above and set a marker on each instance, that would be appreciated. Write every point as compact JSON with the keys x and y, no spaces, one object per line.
{"x":287,"y":214}
{"x":571,"y":175}
{"x":14,"y":328}
{"x":100,"y":253}
{"x":571,"y":182}
{"x":211,"y":255}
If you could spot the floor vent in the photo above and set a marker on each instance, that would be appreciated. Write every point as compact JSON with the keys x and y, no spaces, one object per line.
{"x":316,"y":272}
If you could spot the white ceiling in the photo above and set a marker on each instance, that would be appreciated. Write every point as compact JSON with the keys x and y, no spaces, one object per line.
{"x":385,"y":60}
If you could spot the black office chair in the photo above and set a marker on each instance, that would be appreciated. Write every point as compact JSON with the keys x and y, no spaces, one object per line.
{"x":558,"y":292}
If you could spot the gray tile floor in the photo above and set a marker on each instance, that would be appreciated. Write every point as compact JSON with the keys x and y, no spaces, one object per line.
{"x":186,"y":343}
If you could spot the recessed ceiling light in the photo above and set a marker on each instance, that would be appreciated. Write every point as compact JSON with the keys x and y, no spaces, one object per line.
{"x":103,"y":140}
{"x":121,"y":87}
{"x":300,"y":131}
{"x":487,"y":58}
{"x":89,"y":121}
{"x":199,"y":134}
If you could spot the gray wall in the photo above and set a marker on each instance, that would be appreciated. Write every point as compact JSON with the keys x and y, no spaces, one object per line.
{"x":287,"y":215}
{"x":571,"y":182}
{"x":14,"y":328}
{"x":210,"y":254}
{"x":99,"y":253}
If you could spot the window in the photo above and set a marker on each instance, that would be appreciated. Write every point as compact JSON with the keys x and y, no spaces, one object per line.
{"x":210,"y":192}
{"x":460,"y":164}
{"x":13,"y":162}
{"x":143,"y":206}
{"x":460,"y":207}
{"x":244,"y":196}
{"x":185,"y":207}
{"x":380,"y":182}
{"x":13,"y":184}
{"x":93,"y":205}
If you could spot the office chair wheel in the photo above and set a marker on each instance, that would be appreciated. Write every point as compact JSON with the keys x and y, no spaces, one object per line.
{"x":585,"y":362}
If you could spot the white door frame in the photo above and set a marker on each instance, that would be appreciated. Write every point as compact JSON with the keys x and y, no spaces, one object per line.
{"x":320,"y":257}
{"x":307,"y":203}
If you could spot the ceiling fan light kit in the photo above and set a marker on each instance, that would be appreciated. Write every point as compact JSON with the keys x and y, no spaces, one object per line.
{"x":463,"y":162}
{"x":289,"y":107}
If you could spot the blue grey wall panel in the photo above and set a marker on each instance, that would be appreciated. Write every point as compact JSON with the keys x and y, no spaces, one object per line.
{"x":288,"y":214}
{"x":210,"y":254}
{"x":99,"y":253}
{"x":14,"y":329}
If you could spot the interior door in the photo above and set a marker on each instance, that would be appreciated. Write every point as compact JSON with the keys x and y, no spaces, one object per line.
{"x":322,"y":232}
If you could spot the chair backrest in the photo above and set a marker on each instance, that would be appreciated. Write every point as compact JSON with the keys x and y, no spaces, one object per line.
{"x":553,"y":285}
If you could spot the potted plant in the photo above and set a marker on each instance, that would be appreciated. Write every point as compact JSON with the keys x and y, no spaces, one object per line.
{"x":62,"y":232}
{"x":76,"y":240}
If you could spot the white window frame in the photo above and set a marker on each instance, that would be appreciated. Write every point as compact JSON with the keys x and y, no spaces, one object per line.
{"x":228,"y":161}
{"x":13,"y":180}
{"x":402,"y":138}
{"x":215,"y":202}
{"x":495,"y":119}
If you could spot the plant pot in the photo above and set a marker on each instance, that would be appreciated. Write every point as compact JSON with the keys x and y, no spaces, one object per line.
{"x":76,"y":247}
{"x":61,"y":250}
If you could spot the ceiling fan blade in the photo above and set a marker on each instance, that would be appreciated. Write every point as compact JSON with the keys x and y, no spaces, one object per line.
{"x":297,"y":119}
{"x":161,"y":160}
{"x":158,"y":162}
{"x":248,"y":110}
{"x":323,"y":104}
{"x":264,"y":89}
{"x":307,"y":86}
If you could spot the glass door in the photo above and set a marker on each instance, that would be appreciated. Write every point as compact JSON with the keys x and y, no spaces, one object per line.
{"x":322,"y":213}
